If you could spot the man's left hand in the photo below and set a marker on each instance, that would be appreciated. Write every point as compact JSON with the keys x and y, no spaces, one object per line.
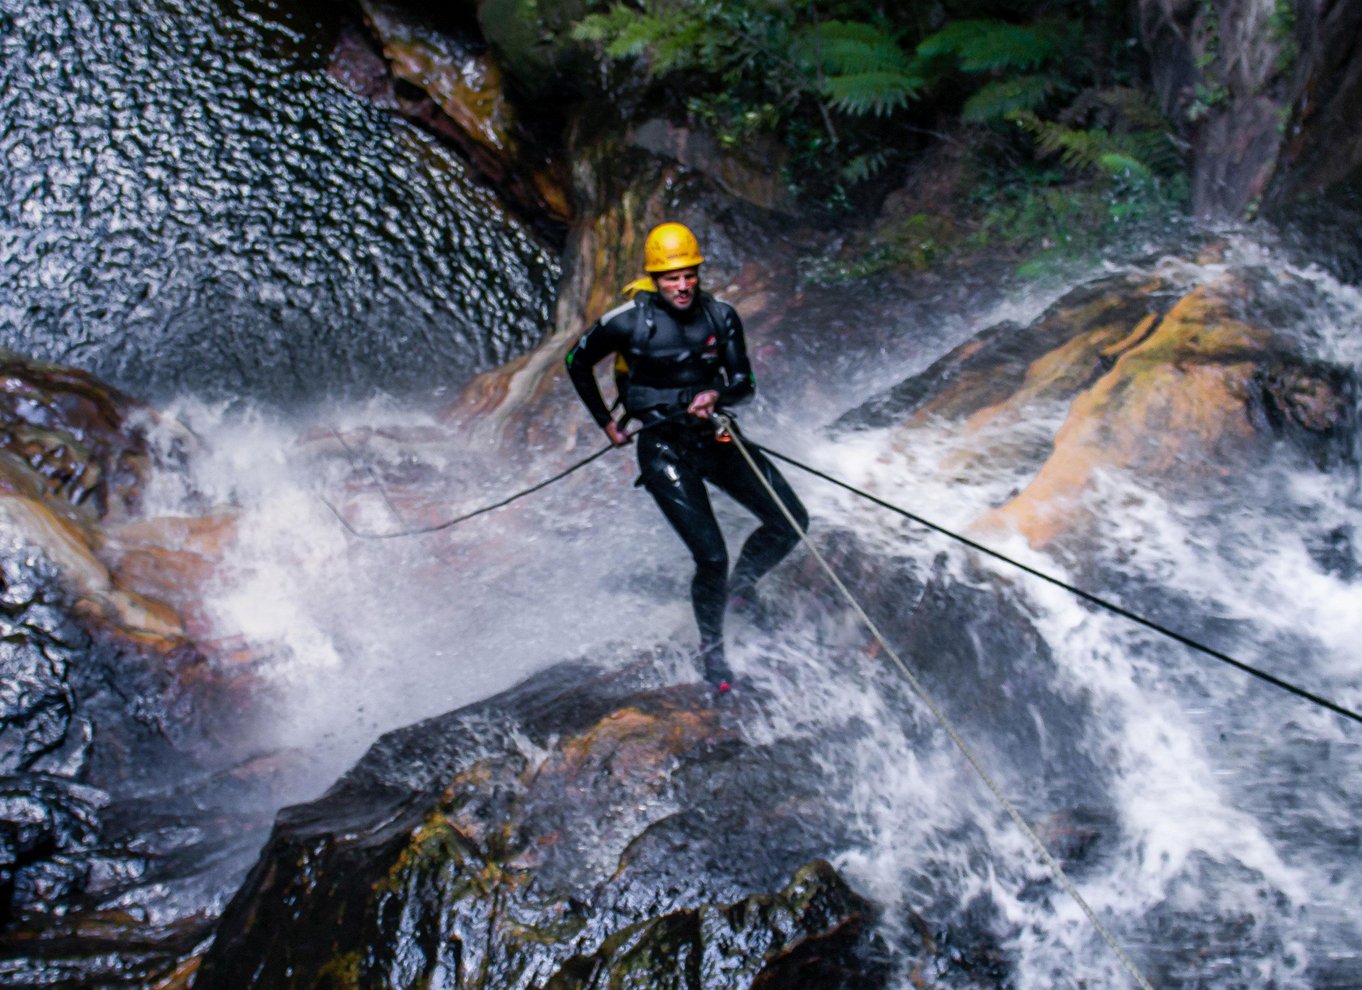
{"x":702,"y":406}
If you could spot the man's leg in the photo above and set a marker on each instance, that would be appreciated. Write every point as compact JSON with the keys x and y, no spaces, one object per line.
{"x":774,"y":538}
{"x":680,"y":493}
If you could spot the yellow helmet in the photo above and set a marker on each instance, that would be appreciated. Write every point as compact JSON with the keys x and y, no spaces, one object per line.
{"x":671,"y":246}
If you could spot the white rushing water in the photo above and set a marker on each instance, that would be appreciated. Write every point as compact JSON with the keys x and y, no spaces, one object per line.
{"x":1211,"y":820}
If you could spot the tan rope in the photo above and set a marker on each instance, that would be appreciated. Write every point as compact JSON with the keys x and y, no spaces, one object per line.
{"x":940,"y":715}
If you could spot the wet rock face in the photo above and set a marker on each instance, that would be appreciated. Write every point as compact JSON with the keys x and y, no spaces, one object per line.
{"x":78,"y":721}
{"x":74,"y":433}
{"x":445,"y":80}
{"x":39,"y":728}
{"x":571,"y":834}
{"x":1261,"y":89}
{"x":73,"y":458}
{"x":1189,"y":387}
{"x":46,"y":818}
{"x":123,"y":812}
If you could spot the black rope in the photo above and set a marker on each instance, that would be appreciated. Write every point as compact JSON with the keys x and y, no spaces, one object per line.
{"x":448,"y":523}
{"x":1085,"y":595}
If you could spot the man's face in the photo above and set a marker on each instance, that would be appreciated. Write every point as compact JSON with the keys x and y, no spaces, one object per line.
{"x":678,"y":288}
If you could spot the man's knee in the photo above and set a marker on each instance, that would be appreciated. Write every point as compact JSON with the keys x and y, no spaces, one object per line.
{"x":711,"y":561}
{"x":797,"y":511}
{"x":781,"y":522}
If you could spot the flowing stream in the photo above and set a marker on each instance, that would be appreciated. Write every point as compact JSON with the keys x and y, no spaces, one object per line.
{"x":194,"y":211}
{"x":1210,"y":819}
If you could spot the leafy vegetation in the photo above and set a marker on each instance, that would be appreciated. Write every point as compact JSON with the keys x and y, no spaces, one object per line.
{"x":854,"y":89}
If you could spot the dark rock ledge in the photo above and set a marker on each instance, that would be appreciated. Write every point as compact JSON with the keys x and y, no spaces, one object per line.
{"x":583,"y":830}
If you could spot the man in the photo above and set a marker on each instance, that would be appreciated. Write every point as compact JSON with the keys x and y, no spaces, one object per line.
{"x":684,"y":359}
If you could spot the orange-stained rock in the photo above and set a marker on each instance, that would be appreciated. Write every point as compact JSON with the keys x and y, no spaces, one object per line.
{"x":1063,"y":371}
{"x":73,"y":457}
{"x":186,"y":548}
{"x":1182,"y":387}
{"x":69,"y":543}
{"x":1175,"y":404}
{"x":170,"y":560}
{"x":83,"y":439}
{"x":635,"y":744}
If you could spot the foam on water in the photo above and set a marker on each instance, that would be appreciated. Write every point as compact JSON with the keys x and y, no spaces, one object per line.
{"x":1222,"y":810}
{"x":363,"y":635}
{"x":1231,"y":802}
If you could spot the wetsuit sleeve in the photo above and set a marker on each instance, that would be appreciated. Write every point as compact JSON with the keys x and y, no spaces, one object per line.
{"x":737,"y":368}
{"x":602,"y":339}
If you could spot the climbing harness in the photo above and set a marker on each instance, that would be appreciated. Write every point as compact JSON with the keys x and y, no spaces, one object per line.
{"x":726,"y":425}
{"x":633,"y":394}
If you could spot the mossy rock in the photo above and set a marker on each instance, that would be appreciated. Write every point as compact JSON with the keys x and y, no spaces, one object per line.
{"x":532,"y":40}
{"x":576,"y":832}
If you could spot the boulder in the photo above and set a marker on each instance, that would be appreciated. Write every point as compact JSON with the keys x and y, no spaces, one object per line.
{"x":451,"y":85}
{"x":124,"y":806}
{"x":582,"y":830}
{"x":74,"y":455}
{"x":1186,"y":387}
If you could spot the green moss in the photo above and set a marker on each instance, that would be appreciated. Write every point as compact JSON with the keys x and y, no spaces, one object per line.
{"x":531,"y":38}
{"x":1054,"y":224}
{"x":341,"y":973}
{"x":435,"y":843}
{"x":914,"y":243}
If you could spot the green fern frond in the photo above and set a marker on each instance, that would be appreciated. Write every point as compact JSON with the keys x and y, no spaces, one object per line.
{"x":1134,"y":123}
{"x":862,"y":67}
{"x":666,"y":43}
{"x":1004,"y":99}
{"x":1116,"y":163}
{"x":635,"y":37}
{"x":981,"y":46}
{"x":850,"y":48}
{"x":1077,"y":149}
{"x":877,"y":93}
{"x":1096,"y":149}
{"x":864,"y":166}
{"x":679,"y":48}
{"x":606,"y":27}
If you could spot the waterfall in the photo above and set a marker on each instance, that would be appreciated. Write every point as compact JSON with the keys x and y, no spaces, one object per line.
{"x":1207,"y":817}
{"x":194,"y":212}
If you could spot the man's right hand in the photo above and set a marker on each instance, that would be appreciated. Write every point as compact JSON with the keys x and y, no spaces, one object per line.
{"x":617,"y":436}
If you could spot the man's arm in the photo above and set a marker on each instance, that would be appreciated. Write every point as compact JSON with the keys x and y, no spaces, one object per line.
{"x":737,"y":368}
{"x":603,"y":338}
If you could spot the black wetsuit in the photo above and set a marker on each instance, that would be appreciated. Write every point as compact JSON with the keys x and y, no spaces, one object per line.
{"x":672,"y":357}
